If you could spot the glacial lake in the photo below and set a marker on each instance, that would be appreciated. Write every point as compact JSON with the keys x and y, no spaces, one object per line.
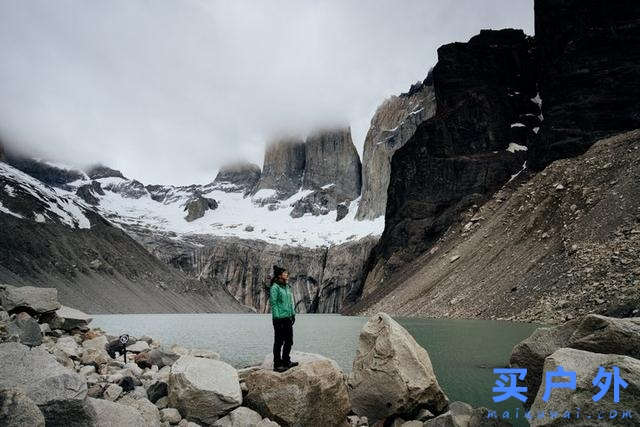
{"x":463,"y":352}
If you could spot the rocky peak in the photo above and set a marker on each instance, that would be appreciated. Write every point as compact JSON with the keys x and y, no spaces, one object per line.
{"x":394,"y":122}
{"x":238,"y":177}
{"x":101,"y":171}
{"x":589,"y":63}
{"x":46,"y":172}
{"x":2,"y":157}
{"x":332,"y":159}
{"x":284,"y":163}
{"x":466,"y":151}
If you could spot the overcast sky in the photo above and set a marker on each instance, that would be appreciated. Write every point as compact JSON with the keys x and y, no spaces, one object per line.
{"x":167,"y":91}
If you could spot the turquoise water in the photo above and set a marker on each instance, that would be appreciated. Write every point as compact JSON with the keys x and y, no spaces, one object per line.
{"x":463,"y":352}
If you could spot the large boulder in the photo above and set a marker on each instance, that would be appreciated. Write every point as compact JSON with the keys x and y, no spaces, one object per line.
{"x":197,"y":207}
{"x":27,"y":328}
{"x":158,"y":357}
{"x":73,"y":319}
{"x":17,"y":410}
{"x":239,"y":417}
{"x":595,"y":333}
{"x":392,"y":374}
{"x":28,"y":298}
{"x":69,"y":346}
{"x":50,"y":385}
{"x":313,"y":393}
{"x":112,"y":414}
{"x":203,"y":389}
{"x":531,"y":352}
{"x":148,"y":410}
{"x":586,"y":365}
{"x":461,"y":414}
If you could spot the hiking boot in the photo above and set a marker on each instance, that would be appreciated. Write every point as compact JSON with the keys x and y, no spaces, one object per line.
{"x":291,"y":364}
{"x":280,"y":367}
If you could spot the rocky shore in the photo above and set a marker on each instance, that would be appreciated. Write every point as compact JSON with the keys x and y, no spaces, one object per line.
{"x":56,"y":370}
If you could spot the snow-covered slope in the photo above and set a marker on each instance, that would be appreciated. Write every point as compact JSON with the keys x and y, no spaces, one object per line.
{"x":162,"y":208}
{"x":27,"y":198}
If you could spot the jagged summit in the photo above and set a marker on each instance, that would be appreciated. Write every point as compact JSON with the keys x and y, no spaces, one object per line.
{"x":240,"y":175}
{"x":394,"y":122}
{"x":101,"y":171}
{"x":283,"y":168}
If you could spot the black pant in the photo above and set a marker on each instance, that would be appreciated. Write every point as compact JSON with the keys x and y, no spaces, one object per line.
{"x":283,"y":339}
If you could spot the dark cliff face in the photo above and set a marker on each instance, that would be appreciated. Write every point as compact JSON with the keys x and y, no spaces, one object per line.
{"x":283,"y":168}
{"x":459,"y":156}
{"x":332,"y":159}
{"x":100,"y":171}
{"x":50,"y":175}
{"x":2,"y":158}
{"x":240,"y":176}
{"x":589,"y":61}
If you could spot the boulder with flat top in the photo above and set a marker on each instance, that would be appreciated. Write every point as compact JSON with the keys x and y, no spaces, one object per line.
{"x":203,"y":389}
{"x":313,"y":393}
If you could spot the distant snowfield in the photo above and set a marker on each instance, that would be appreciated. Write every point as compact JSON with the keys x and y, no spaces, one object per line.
{"x":236,"y":216}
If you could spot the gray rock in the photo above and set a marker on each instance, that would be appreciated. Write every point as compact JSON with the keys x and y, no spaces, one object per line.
{"x":138,"y":347}
{"x":203,"y":389}
{"x":266,"y":422}
{"x":29,"y":298}
{"x":54,"y":388}
{"x":150,"y":413}
{"x":313,"y":393}
{"x":239,"y":417}
{"x":162,"y":403}
{"x":341,"y":211}
{"x":458,"y":415}
{"x":157,"y":391}
{"x":38,"y":375}
{"x":238,"y":177}
{"x":392,"y":374}
{"x":586,"y":364}
{"x":157,"y":357}
{"x":69,"y":347}
{"x":170,"y":415}
{"x":394,"y":122}
{"x":112,"y":414}
{"x":17,"y":410}
{"x":593,"y":332}
{"x":27,"y":328}
{"x":331,"y":158}
{"x":112,"y":392}
{"x":283,"y":168}
{"x":73,"y":319}
{"x":197,"y":207}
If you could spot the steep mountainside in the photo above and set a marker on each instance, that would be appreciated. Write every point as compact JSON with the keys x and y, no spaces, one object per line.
{"x":561,"y":244}
{"x":546,"y":247}
{"x":485,"y":96}
{"x":394,"y":122}
{"x":322,"y":278}
{"x":51,"y":238}
{"x":589,"y":62}
{"x":283,"y":167}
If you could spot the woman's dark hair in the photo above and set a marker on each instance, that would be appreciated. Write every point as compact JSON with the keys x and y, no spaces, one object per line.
{"x":277,"y":271}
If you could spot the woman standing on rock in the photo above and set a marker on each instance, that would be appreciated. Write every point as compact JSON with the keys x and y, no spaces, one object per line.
{"x":284,"y":316}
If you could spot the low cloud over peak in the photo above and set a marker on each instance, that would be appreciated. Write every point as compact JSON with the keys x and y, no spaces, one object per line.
{"x":170,"y":91}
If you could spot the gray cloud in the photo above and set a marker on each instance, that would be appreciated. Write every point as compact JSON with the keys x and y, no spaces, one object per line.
{"x":168,"y":91}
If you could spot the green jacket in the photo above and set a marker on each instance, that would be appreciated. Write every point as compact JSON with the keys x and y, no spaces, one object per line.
{"x":281,"y":300}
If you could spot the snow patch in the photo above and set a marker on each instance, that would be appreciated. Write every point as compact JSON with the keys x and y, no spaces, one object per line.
{"x":517,"y":125}
{"x":513,"y":147}
{"x":7,"y":211}
{"x":10,"y":191}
